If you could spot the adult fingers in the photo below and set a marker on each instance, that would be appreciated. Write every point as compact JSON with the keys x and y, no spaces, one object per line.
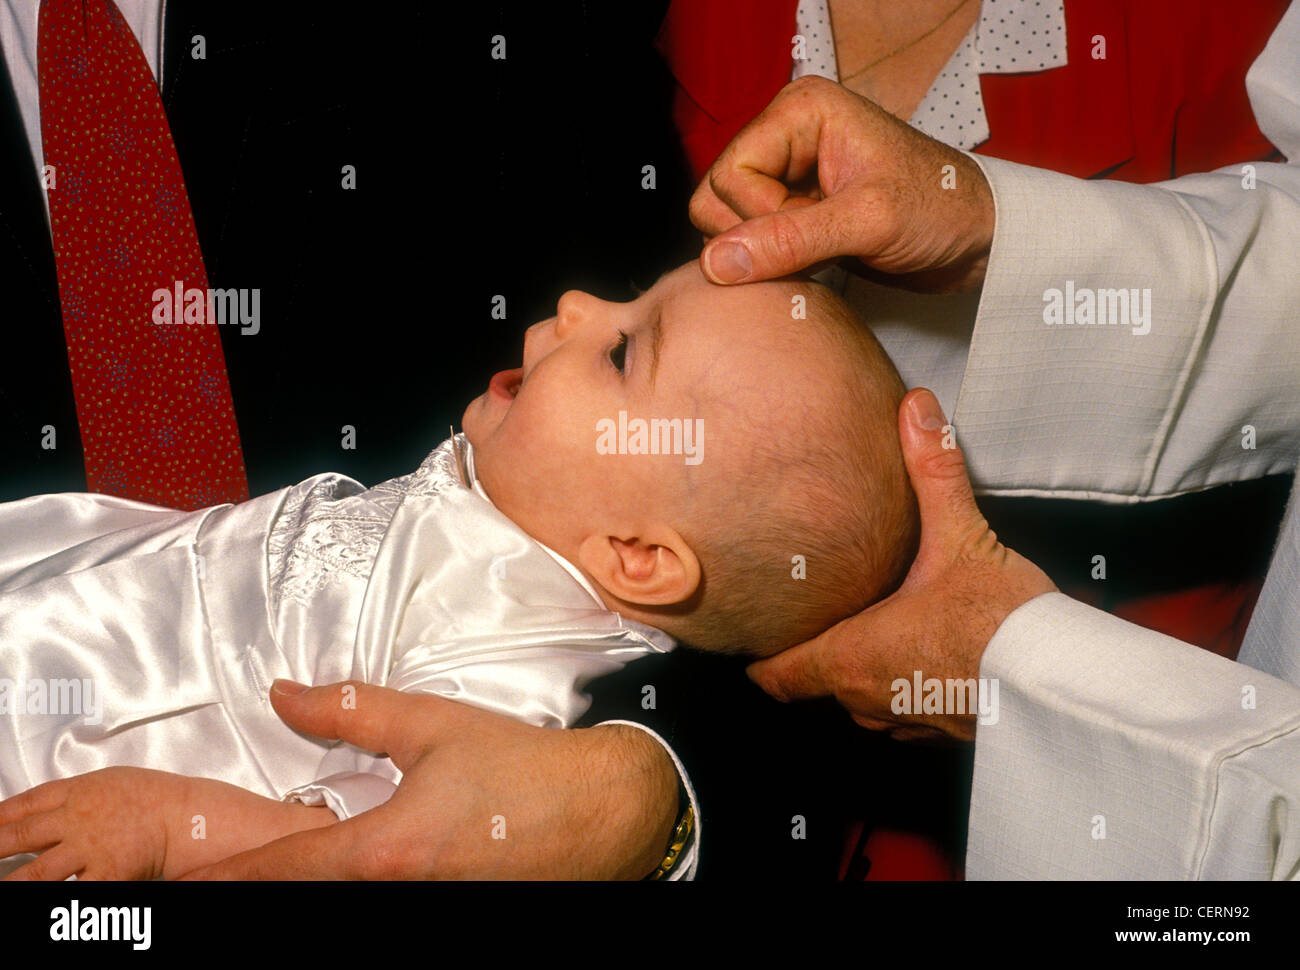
{"x":780,"y":243}
{"x":712,"y":216}
{"x":776,"y":150}
{"x":708,"y":213}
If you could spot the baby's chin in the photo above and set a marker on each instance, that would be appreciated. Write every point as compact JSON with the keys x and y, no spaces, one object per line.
{"x":472,"y":421}
{"x":467,"y":421}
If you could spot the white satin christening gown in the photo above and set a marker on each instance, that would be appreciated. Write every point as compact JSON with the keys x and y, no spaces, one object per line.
{"x":135,"y":635}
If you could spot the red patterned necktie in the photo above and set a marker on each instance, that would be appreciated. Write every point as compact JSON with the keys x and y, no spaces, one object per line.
{"x":153,"y":400}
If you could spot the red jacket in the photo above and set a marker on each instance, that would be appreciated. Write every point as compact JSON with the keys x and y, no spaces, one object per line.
{"x":1168,"y":100}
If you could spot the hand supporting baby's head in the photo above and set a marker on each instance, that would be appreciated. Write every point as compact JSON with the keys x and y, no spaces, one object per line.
{"x":722,"y":462}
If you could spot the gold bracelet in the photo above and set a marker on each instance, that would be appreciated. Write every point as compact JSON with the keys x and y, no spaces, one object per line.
{"x":681,"y":835}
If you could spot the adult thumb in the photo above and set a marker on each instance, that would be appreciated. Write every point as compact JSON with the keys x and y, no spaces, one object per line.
{"x":798,"y":673}
{"x":937,"y":470}
{"x":780,"y":243}
{"x":369,"y":717}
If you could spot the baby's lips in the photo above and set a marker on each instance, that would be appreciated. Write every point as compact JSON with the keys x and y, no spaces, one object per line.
{"x":505,"y":384}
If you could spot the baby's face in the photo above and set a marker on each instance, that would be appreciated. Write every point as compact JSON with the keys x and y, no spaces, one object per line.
{"x":549,"y":445}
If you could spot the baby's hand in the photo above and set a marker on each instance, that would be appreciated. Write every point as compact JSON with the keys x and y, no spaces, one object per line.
{"x":107,"y":824}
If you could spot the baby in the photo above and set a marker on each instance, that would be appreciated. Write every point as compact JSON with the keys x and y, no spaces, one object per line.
{"x":716,"y":465}
{"x":799,"y":458}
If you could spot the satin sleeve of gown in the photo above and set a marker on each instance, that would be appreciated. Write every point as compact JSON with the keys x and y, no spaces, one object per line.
{"x":133,"y":635}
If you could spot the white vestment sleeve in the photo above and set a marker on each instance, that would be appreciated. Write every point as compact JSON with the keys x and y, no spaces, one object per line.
{"x":1120,"y":753}
{"x":1104,"y":410}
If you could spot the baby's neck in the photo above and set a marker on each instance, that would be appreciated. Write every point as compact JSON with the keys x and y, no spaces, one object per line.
{"x":570,"y":561}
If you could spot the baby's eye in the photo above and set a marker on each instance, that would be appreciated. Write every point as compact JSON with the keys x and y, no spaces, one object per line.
{"x":618,"y":353}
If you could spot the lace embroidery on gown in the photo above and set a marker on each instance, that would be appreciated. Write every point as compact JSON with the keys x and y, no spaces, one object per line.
{"x":333,"y":528}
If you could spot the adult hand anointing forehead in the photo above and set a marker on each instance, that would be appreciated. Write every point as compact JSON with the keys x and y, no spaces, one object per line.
{"x":823,"y":173}
{"x":962,"y":585}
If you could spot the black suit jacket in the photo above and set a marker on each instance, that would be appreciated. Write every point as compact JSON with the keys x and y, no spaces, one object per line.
{"x":287,"y":95}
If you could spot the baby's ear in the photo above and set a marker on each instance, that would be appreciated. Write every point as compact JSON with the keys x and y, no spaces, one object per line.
{"x":654,"y":568}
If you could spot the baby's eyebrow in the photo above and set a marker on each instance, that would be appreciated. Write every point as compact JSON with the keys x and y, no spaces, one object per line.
{"x":656,"y":342}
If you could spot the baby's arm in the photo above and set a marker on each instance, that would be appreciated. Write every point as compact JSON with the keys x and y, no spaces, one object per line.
{"x":135,"y":823}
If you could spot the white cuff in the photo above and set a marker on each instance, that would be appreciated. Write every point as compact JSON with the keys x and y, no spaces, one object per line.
{"x":1121,"y":753}
{"x":346,"y":794}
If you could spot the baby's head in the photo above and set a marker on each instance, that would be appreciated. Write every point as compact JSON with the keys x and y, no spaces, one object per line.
{"x":720,"y":464}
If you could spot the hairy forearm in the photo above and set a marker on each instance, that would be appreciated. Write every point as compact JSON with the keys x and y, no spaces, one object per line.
{"x":214,"y":820}
{"x":604,"y":810}
{"x":633,"y":787}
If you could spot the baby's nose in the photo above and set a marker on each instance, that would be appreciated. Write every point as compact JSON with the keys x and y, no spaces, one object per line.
{"x":573,"y":310}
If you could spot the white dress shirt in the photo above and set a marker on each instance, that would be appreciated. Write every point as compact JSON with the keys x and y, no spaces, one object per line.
{"x":18,"y":26}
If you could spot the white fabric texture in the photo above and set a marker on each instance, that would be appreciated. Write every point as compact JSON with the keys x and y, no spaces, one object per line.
{"x":1120,"y":753}
{"x":1100,"y":719}
{"x":173,"y":625}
